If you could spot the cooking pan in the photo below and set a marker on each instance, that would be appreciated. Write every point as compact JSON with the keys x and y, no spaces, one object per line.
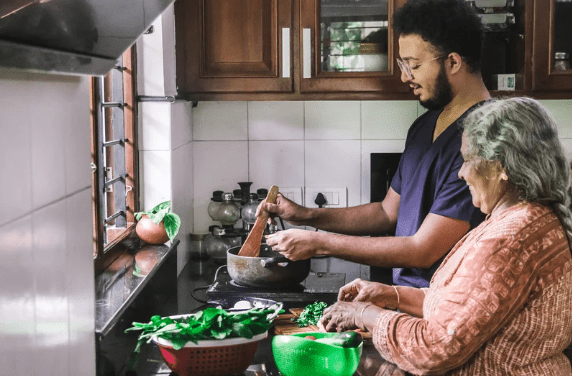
{"x":270,"y":269}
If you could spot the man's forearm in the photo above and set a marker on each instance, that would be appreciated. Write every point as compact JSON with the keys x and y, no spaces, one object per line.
{"x":368,"y":219}
{"x":388,"y":251}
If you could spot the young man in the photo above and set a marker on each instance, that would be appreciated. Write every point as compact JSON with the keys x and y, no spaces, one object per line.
{"x":428,"y":206}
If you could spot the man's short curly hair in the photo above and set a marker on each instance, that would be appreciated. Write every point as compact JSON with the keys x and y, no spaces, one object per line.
{"x":449,"y":25}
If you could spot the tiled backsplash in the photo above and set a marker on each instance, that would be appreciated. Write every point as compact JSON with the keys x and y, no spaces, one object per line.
{"x":304,"y":144}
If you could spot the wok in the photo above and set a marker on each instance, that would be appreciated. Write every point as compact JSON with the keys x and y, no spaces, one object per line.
{"x":270,"y":269}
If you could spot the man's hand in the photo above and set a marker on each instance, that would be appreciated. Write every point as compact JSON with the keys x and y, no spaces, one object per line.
{"x":295,"y":244}
{"x":284,"y":208}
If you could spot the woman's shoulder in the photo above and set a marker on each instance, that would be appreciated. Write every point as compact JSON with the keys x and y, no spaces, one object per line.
{"x":526,"y":223}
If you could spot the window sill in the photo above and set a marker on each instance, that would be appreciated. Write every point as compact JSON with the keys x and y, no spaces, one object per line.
{"x":117,"y":289}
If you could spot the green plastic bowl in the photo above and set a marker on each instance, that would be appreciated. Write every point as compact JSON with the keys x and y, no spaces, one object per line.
{"x":298,"y":356}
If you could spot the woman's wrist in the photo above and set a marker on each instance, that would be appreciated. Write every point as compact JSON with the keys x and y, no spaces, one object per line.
{"x":359,"y":321}
{"x":397,"y":298}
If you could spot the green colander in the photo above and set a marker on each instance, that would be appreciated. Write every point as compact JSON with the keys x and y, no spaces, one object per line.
{"x":298,"y":356}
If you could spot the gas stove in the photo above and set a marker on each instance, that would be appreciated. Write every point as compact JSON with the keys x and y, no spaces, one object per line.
{"x":316,"y":287}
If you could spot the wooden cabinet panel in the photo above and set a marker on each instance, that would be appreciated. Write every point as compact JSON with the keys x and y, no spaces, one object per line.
{"x":316,"y":79}
{"x":232,"y":45}
{"x":551,"y":33}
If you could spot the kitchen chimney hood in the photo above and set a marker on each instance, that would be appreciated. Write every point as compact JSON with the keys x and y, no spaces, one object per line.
{"x":81,"y":37}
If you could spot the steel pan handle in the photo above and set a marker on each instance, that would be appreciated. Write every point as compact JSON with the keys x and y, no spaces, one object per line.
{"x":271,"y":261}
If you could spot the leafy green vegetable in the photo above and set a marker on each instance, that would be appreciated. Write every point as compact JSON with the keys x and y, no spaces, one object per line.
{"x":162,"y":212}
{"x":209,"y":324}
{"x":311,"y":314}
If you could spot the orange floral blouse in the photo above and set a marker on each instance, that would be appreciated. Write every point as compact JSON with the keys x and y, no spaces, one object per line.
{"x":500,"y":303}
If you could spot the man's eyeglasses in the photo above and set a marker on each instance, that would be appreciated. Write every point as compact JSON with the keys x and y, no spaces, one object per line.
{"x":406,"y":68}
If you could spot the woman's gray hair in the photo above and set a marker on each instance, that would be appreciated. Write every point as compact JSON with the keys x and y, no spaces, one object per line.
{"x":522,"y":136}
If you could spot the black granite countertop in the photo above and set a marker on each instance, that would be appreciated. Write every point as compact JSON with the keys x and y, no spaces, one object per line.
{"x":116,"y":289}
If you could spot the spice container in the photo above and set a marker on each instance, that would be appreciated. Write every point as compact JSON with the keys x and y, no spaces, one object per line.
{"x":561,"y":61}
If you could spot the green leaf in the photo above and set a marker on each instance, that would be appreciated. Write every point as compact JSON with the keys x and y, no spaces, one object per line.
{"x":157,"y":213}
{"x":172,"y":223}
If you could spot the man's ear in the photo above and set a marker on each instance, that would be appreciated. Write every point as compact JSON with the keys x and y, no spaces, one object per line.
{"x":454,"y":62}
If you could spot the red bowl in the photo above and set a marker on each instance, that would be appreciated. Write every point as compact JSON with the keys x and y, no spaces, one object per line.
{"x":230,"y":356}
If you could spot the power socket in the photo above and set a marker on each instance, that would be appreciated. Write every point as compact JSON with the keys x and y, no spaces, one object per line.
{"x":336,"y":197}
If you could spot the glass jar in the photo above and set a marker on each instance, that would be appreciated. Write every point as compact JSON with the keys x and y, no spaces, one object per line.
{"x":217,"y":244}
{"x":561,"y":61}
{"x":248,"y":211}
{"x":228,"y":212}
{"x":216,"y":200}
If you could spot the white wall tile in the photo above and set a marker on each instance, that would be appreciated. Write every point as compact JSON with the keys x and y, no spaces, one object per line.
{"x":155,"y":177}
{"x":276,"y":120}
{"x":278,"y":163}
{"x":77,"y":138}
{"x":155,"y":126}
{"x":219,"y":165}
{"x":220,"y":121}
{"x":51,"y":289}
{"x":182,"y":200}
{"x":567,"y":146}
{"x":15,"y":146}
{"x":387,"y":120}
{"x":334,"y":163}
{"x":374,"y":146}
{"x":181,"y":124}
{"x":51,"y":96}
{"x":17,"y":295}
{"x":561,"y":110}
{"x":420,"y":109}
{"x":80,"y":281}
{"x":151,"y":80}
{"x":332,"y":120}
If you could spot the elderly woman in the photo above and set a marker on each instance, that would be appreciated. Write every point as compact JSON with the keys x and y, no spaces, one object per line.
{"x":501,"y":302}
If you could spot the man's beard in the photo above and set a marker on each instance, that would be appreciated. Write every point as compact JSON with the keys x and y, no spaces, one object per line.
{"x":443,"y":93}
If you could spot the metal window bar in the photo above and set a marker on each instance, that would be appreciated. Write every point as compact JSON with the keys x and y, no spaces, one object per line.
{"x":116,"y":105}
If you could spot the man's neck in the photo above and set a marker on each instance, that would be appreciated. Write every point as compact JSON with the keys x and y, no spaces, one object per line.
{"x":465,"y":96}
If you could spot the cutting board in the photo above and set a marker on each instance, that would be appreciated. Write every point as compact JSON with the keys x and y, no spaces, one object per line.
{"x":284,"y":325}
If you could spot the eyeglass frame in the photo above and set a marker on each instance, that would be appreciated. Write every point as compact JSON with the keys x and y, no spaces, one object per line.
{"x":406,"y":68}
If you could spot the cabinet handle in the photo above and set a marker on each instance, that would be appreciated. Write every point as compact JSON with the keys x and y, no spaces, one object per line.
{"x":307,"y":53}
{"x":286,"y":52}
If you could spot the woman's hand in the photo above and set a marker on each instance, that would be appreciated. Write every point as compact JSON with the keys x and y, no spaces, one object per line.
{"x":381,"y":295}
{"x":342,"y":316}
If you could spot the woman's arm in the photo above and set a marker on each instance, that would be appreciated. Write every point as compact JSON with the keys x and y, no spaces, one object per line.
{"x":483,"y":294}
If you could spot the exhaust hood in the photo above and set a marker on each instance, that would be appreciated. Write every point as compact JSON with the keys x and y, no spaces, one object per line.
{"x":80,"y":37}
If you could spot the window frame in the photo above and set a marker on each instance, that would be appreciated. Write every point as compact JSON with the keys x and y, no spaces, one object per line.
{"x":105,"y":254}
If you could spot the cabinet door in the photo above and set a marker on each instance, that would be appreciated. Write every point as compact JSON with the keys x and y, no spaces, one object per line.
{"x":349,"y":46}
{"x":552,"y":38}
{"x":233,"y":46}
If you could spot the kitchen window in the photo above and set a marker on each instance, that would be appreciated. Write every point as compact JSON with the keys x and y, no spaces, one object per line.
{"x":114,"y":158}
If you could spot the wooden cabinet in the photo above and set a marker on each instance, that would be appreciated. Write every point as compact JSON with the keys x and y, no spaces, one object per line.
{"x":346,"y":49}
{"x":233,"y":46}
{"x":274,"y":50}
{"x":552,"y":46}
{"x":349,"y":46}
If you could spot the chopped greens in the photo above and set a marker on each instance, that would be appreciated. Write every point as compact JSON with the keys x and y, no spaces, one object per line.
{"x":209,"y":324}
{"x":311,"y":314}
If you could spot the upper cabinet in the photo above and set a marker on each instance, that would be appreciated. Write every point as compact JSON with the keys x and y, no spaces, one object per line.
{"x":349,"y":46}
{"x":287,"y":49}
{"x":233,"y":46}
{"x":346,"y":49}
{"x":552,"y":46}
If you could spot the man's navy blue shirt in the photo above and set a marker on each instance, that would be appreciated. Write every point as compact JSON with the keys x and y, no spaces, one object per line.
{"x":427,"y":181}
